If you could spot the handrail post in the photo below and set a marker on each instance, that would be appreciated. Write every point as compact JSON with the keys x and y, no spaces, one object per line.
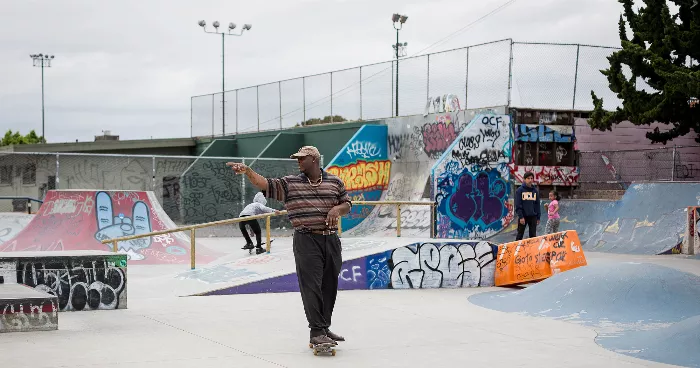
{"x":193,"y":251}
{"x":115,"y":246}
{"x":398,"y":221}
{"x":340,"y":226}
{"x":267,"y":230}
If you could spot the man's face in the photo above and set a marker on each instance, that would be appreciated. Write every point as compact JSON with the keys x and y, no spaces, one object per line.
{"x":528,"y":181}
{"x":305,"y":164}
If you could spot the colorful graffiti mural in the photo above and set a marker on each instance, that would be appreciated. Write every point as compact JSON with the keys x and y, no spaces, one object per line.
{"x":544,"y":133}
{"x":415,"y":266}
{"x":547,"y":175}
{"x":364,"y":167}
{"x":470,"y":180}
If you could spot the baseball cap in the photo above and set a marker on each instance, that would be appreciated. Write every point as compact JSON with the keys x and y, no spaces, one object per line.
{"x":307,"y":151}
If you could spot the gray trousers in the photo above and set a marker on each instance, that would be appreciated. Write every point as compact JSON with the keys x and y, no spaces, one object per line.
{"x":318,"y":260}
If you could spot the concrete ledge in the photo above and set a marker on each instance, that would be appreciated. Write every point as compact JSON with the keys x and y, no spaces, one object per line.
{"x":23,"y":309}
{"x":81,"y":280}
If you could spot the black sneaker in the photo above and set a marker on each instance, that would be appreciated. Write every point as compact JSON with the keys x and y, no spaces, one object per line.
{"x":259,"y":250}
{"x":334,"y":337}
{"x":248,"y":246}
{"x":322,"y":340}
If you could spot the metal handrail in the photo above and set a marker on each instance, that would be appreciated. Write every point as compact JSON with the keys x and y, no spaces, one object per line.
{"x":267,"y":216}
{"x":28,"y":199}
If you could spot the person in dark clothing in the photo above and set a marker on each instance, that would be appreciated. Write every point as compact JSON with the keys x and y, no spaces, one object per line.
{"x":314,"y":201}
{"x":527,"y":206}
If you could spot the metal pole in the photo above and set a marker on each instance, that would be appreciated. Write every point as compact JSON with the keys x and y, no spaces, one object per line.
{"x":398,"y":219}
{"x":391,"y":103}
{"x":573,"y":104}
{"x":192,"y":249}
{"x":213,"y":108}
{"x":427,"y":91}
{"x":43,"y":132}
{"x":303,"y":88}
{"x":267,"y":231}
{"x":236,"y":111}
{"x":257,"y":104}
{"x":360,"y":93}
{"x":466,"y":84}
{"x":673,"y":168}
{"x":510,"y":72}
{"x":57,"y":172}
{"x":153,"y":182}
{"x":331,"y":97}
{"x":191,"y":109}
{"x":223,"y":83}
{"x":279,"y":88}
{"x":397,"y":72}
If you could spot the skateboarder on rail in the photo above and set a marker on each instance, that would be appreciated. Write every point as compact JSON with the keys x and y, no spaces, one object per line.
{"x":314,"y":201}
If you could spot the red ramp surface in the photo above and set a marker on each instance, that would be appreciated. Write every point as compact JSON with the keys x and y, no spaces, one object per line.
{"x":81,"y":219}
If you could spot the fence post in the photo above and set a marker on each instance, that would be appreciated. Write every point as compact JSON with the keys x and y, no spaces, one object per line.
{"x":57,"y":172}
{"x":427,"y":88}
{"x":279,"y":88}
{"x":510,"y":72}
{"x":303,"y":92}
{"x":360,"y":93}
{"x":673,"y":168}
{"x":466,"y":83}
{"x":213,"y":108}
{"x":267,"y":231}
{"x":153,"y":181}
{"x":331,"y":97}
{"x":236,"y":111}
{"x":398,"y":221}
{"x":392,"y":89}
{"x":191,"y":114}
{"x":257,"y":103}
{"x":578,"y":49}
{"x":242,"y":187}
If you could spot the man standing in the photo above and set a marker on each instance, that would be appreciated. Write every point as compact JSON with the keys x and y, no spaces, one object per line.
{"x":527,"y":206}
{"x":314,"y":201}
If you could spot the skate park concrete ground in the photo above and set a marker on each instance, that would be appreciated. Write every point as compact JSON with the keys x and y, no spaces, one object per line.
{"x":433,"y":327}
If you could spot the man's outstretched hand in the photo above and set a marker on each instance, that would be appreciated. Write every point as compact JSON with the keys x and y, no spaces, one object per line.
{"x":238,"y":167}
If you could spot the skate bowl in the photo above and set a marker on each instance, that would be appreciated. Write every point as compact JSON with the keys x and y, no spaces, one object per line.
{"x":640,"y":309}
{"x":81,"y":219}
{"x":649,"y":219}
{"x":12,"y":223}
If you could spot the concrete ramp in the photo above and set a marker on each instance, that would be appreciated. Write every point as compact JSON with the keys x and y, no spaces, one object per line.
{"x":80,"y":219}
{"x":649,"y":219}
{"x":635,"y":307}
{"x":379,"y":263}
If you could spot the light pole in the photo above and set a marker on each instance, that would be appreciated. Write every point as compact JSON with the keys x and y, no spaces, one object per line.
{"x":42,"y":60}
{"x":400,"y":19}
{"x":231,"y":27}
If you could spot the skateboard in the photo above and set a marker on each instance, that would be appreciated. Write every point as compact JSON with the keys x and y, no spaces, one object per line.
{"x":250,"y":251}
{"x":323,"y":348}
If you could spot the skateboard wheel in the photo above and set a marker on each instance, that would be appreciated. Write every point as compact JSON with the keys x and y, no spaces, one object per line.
{"x":315,"y":352}
{"x":333,"y":353}
{"x":311,"y":346}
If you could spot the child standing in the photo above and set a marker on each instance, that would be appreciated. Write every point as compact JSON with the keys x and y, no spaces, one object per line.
{"x":527,"y":206}
{"x":256,"y":208}
{"x":553,"y":213}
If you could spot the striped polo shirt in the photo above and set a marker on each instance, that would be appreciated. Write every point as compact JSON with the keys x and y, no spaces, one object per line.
{"x":308,"y":206}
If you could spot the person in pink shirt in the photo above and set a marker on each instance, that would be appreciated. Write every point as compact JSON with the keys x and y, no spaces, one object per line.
{"x":552,"y":213}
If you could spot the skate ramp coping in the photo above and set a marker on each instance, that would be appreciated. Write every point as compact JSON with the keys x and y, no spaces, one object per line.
{"x":643,"y":310}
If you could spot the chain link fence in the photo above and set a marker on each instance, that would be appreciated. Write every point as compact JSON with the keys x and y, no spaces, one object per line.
{"x":191,"y":190}
{"x":614,"y":170}
{"x":500,"y":73}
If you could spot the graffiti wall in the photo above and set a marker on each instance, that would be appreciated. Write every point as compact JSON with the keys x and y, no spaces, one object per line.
{"x":547,"y":175}
{"x":80,"y":220}
{"x":364,"y":167}
{"x":414,"y":144}
{"x":544,"y":133}
{"x":34,"y":313}
{"x":79,"y":282}
{"x":470,"y":181}
{"x":416,"y":266}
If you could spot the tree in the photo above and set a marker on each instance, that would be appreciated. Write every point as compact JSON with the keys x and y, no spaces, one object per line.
{"x":665,"y":53}
{"x":16,"y":138}
{"x":325,"y":120}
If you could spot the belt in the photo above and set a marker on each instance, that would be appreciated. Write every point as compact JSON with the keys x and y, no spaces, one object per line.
{"x":318,"y":232}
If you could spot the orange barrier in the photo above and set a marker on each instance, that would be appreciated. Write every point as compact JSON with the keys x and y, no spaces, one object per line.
{"x":536,"y":259}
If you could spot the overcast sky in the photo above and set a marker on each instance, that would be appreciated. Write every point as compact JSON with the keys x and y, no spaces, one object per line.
{"x":131,"y":66}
